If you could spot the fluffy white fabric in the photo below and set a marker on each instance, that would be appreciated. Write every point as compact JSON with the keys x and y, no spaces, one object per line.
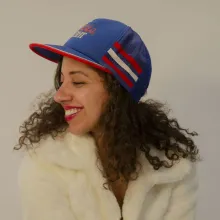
{"x":60,"y":181}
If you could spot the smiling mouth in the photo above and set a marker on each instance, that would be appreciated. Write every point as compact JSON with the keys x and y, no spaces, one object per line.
{"x":71,"y":113}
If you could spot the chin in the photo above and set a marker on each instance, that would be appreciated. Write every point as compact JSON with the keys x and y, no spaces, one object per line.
{"x":78,"y":131}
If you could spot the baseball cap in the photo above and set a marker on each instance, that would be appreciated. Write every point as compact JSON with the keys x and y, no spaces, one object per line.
{"x":108,"y":45}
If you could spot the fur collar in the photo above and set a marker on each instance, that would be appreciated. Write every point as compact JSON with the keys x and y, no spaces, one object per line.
{"x":79,"y":153}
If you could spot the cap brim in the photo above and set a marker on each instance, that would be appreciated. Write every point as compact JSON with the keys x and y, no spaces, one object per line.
{"x":54,"y":53}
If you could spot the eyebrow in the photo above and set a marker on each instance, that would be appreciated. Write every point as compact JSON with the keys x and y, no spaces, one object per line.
{"x":76,"y":72}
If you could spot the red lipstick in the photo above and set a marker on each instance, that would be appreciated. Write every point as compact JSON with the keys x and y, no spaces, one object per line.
{"x":68,"y":107}
{"x":70,"y":114}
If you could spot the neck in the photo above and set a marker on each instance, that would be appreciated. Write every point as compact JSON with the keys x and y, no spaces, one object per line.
{"x":101,"y":147}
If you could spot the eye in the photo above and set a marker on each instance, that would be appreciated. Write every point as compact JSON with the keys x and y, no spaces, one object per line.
{"x":78,"y":83}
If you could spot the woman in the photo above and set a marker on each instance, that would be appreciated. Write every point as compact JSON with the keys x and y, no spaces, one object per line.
{"x":95,"y":150}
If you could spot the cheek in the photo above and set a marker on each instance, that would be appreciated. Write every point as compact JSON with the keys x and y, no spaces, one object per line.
{"x":91,"y":96}
{"x":94,"y":101}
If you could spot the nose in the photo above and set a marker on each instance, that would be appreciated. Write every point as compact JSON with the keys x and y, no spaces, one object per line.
{"x":63,"y":95}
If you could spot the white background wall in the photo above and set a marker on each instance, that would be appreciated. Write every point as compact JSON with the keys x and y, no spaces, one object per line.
{"x":183,"y":38}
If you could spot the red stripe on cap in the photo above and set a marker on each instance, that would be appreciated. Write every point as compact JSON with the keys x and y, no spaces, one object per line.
{"x":66,"y":54}
{"x":120,"y":73}
{"x":128,"y":57}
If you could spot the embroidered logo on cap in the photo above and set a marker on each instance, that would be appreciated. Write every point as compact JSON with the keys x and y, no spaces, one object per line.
{"x":87,"y":29}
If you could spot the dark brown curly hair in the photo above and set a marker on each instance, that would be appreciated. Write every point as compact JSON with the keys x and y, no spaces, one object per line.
{"x":127,"y":128}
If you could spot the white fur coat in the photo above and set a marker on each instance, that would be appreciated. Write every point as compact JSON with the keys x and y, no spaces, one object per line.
{"x":61,"y":181}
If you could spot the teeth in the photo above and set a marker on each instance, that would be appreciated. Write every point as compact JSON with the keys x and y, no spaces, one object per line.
{"x":71,"y":111}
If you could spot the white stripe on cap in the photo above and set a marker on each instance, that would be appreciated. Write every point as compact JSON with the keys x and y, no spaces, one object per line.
{"x":54,"y":48}
{"x":117,"y":59}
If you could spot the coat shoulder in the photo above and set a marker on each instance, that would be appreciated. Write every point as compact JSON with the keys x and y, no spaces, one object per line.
{"x":32,"y":169}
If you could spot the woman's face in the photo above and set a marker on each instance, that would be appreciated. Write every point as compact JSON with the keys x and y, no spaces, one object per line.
{"x":82,"y":95}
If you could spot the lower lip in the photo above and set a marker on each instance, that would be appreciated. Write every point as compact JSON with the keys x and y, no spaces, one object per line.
{"x":70,"y":117}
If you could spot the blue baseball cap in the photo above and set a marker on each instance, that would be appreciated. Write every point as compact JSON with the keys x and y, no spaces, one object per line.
{"x":108,"y":45}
